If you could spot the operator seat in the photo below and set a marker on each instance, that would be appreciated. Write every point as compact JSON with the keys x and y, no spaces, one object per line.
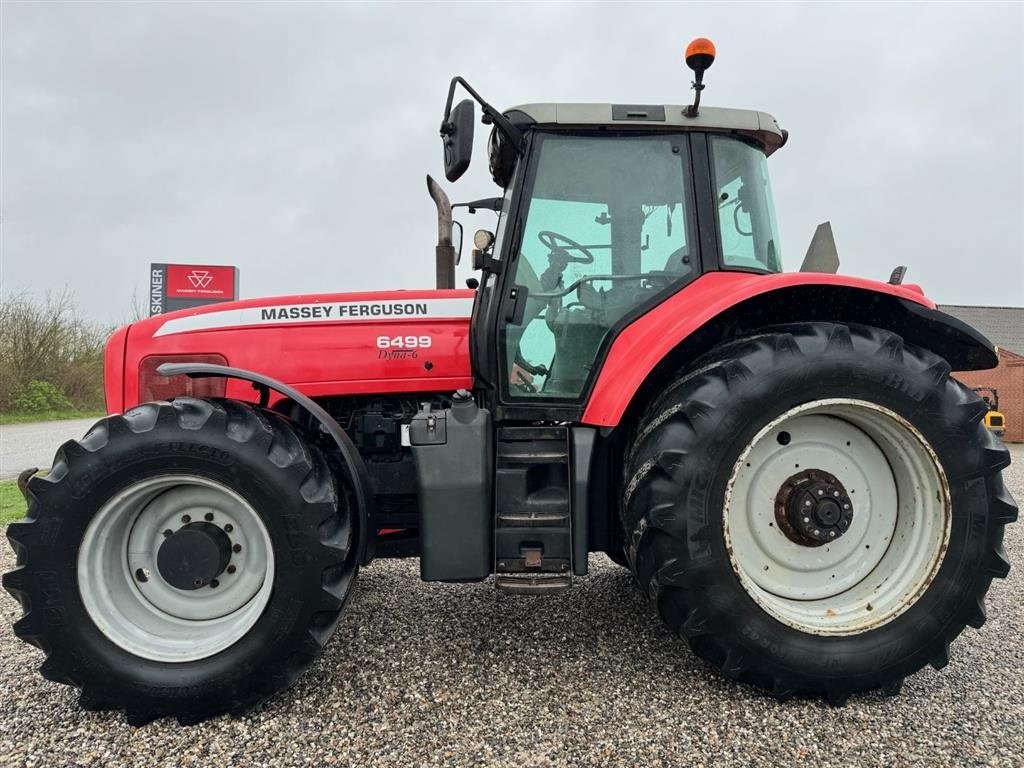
{"x":581,"y":326}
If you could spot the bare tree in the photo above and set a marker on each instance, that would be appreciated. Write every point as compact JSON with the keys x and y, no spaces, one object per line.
{"x":48,"y":340}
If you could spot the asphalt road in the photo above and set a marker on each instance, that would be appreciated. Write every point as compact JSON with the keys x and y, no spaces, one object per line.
{"x":457,"y":675}
{"x":32,"y":445}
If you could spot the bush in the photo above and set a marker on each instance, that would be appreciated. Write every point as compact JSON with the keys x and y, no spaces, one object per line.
{"x":49,"y":353}
{"x":39,"y":396}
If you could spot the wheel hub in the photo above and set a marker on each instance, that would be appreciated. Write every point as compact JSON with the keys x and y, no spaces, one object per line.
{"x":194,"y":556}
{"x":812,"y":508}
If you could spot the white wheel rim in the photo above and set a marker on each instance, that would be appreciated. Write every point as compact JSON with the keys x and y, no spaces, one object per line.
{"x":883,"y":562}
{"x":128,"y":599}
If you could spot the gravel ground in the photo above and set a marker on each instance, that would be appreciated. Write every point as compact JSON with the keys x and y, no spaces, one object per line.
{"x":422,"y":674}
{"x":33,"y":445}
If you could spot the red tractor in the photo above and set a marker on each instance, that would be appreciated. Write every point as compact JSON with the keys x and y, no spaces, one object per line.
{"x":781,"y":459}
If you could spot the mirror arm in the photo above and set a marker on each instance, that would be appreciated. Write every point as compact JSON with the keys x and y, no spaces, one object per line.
{"x":502,"y":122}
{"x":486,"y":204}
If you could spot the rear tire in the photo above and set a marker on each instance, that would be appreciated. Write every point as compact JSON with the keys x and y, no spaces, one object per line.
{"x":99,"y":600}
{"x":687,"y":471}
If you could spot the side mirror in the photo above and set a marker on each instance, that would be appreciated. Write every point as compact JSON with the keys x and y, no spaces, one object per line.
{"x":457,"y":241}
{"x":457,"y":136}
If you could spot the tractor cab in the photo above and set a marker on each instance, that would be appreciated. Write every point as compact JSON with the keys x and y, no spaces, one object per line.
{"x":607,"y":210}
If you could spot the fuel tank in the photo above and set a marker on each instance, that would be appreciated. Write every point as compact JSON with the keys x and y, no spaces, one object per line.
{"x":322,"y":344}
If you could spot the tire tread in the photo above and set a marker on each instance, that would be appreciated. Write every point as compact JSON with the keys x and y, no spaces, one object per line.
{"x":673,"y":426}
{"x":242,"y":423}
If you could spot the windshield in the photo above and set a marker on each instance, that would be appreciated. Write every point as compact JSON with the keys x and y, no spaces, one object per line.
{"x":746,"y":216}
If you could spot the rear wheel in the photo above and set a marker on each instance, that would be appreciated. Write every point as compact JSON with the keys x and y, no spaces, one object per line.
{"x":857,"y":518}
{"x":185,"y":559}
{"x":818,"y":509}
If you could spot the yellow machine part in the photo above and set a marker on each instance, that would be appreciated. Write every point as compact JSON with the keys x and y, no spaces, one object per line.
{"x":995,"y":421}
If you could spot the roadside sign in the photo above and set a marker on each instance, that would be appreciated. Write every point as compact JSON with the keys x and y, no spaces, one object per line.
{"x":182,"y":286}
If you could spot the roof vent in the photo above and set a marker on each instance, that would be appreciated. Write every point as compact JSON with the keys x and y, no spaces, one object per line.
{"x":648,"y":113}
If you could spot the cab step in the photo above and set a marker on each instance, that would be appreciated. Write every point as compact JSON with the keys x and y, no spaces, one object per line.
{"x":539,"y":519}
{"x":533,"y":524}
{"x":533,"y":584}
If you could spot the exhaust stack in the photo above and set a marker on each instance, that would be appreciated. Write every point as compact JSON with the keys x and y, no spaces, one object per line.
{"x":445,"y":250}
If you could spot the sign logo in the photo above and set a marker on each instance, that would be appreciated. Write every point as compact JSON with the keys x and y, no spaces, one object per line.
{"x":200,"y":278}
{"x":183,"y":286}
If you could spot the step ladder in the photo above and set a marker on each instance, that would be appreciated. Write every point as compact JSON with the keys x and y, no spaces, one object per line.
{"x":533,"y":522}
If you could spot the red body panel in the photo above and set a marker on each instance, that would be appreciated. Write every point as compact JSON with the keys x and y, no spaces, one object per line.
{"x":332,"y":355}
{"x":322,"y":344}
{"x":113,"y":370}
{"x":643,"y":344}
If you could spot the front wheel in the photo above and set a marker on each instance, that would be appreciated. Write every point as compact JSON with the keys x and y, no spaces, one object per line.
{"x":818,"y":509}
{"x":184,"y":559}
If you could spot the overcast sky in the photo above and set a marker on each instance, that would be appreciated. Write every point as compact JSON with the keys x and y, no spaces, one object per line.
{"x":292,"y":140}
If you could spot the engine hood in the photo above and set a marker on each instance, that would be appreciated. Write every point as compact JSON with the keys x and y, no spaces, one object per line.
{"x":322,"y":344}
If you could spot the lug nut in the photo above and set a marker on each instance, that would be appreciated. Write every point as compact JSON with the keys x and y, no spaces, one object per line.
{"x":209,"y":515}
{"x":186,"y":519}
{"x":168,"y":533}
{"x":236,"y":548}
{"x":229,"y":528}
{"x":231,"y":569}
{"x":214,"y":584}
{"x":141,"y":575}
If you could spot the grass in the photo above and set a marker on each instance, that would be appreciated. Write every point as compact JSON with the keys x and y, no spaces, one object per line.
{"x":17,"y":417}
{"x":12,"y":504}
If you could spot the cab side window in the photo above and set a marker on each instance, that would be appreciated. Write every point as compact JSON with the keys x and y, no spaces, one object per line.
{"x":746,"y":216}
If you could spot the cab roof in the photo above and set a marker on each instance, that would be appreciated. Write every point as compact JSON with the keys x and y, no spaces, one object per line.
{"x":758,"y":126}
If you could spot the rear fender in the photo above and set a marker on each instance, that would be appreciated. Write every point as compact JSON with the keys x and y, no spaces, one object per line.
{"x":723,"y":306}
{"x":362,"y":487}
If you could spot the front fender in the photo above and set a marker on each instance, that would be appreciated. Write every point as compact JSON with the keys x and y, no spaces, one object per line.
{"x":721,"y":306}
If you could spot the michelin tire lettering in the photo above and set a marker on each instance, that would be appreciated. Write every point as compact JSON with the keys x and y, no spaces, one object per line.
{"x":348,"y":311}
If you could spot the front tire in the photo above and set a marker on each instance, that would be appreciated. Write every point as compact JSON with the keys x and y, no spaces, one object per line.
{"x":721,"y":467}
{"x":185,"y":559}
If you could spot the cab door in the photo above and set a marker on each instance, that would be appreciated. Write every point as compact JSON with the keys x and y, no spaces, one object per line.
{"x":605,"y":229}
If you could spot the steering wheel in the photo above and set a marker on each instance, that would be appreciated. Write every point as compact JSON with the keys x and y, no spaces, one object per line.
{"x":561,"y":244}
